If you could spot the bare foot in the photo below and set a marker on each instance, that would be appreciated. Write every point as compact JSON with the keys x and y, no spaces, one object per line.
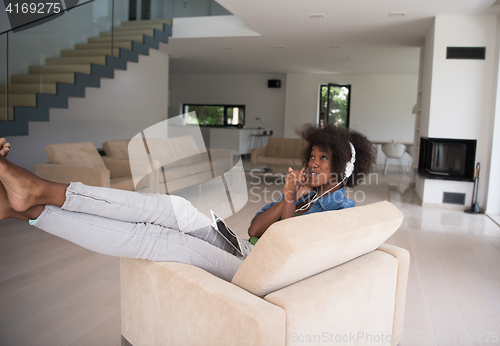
{"x":7,"y":212}
{"x":4,"y":147}
{"x":26,"y":190}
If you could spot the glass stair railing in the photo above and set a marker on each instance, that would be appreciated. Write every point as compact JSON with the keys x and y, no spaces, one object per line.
{"x":40,"y":67}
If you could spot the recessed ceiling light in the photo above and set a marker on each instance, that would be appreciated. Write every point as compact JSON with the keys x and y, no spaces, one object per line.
{"x":397,"y":14}
{"x":317,"y":16}
{"x":228,"y":47}
{"x":334,"y":46}
{"x":279,"y":47}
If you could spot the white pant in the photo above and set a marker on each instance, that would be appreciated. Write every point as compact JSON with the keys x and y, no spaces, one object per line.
{"x":148,"y":226}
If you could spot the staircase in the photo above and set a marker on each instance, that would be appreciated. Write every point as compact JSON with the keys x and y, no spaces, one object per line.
{"x":49,"y":86}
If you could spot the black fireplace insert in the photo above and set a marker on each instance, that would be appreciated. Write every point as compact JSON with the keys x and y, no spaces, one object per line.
{"x":447,"y":159}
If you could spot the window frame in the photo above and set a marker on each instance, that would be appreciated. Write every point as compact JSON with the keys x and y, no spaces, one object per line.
{"x":328,"y":85}
{"x":226,"y":107}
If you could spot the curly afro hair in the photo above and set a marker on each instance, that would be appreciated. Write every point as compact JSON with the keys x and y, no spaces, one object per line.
{"x":336,"y":140}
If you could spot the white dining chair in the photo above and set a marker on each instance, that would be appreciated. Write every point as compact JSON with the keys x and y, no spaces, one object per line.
{"x":393,"y":151}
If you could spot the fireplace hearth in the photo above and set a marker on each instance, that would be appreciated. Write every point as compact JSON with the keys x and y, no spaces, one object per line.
{"x":447,"y":159}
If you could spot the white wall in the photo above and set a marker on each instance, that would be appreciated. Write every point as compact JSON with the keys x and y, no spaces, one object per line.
{"x":461,"y":93}
{"x":462,"y":89}
{"x":240,"y":89}
{"x":134,"y":100}
{"x":427,"y":81}
{"x":381,"y":105}
{"x":493,"y":183}
{"x":211,"y":26}
{"x":426,"y":76}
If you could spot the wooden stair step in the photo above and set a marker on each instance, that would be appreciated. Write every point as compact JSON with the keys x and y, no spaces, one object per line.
{"x":137,"y":38}
{"x":145,"y":26}
{"x":143,"y":22}
{"x":43,"y":78}
{"x":83,"y":68}
{"x":6,"y":117}
{"x":89,"y":52}
{"x":127,"y":33}
{"x":104,"y":45}
{"x":20,"y":89}
{"x":18,"y":100}
{"x":100,"y":60}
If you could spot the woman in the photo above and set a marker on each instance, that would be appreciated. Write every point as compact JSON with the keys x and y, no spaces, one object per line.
{"x":334,"y":158}
{"x":168,"y":228}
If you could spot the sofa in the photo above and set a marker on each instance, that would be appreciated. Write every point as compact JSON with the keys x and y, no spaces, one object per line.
{"x":82,"y":162}
{"x":177,"y":163}
{"x":320,"y":278}
{"x":280,"y":151}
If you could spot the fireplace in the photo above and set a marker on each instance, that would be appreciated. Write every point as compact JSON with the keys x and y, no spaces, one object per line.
{"x":447,"y":159}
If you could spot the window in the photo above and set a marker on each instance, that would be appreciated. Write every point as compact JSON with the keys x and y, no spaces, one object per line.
{"x":215,"y":115}
{"x":334,"y":102}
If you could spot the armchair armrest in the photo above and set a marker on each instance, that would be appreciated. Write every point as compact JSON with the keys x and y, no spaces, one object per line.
{"x":403,"y":257}
{"x":177,"y":304}
{"x":351,"y":299}
{"x":67,"y":174}
{"x":256,"y":152}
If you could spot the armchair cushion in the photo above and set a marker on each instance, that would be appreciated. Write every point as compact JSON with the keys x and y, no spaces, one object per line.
{"x":296,"y":248}
{"x":66,"y":174}
{"x":287,"y":148}
{"x":75,"y":154}
{"x":281,"y":151}
{"x":117,"y":149}
{"x":185,"y":146}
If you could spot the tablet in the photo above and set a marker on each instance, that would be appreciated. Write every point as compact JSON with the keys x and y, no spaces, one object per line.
{"x":220,"y":226}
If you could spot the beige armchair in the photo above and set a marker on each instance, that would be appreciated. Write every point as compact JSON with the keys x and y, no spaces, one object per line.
{"x":325,"y":277}
{"x":280,"y":151}
{"x":82,"y":162}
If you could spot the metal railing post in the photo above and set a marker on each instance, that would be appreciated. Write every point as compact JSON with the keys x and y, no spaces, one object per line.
{"x":7,"y":76}
{"x":112,"y":24}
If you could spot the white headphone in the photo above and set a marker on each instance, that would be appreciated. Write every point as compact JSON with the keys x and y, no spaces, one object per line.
{"x":349,"y":166}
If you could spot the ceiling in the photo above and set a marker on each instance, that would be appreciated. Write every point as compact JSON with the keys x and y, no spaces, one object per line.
{"x":354,"y":37}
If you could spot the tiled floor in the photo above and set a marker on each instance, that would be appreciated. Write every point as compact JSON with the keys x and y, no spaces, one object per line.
{"x":54,"y":293}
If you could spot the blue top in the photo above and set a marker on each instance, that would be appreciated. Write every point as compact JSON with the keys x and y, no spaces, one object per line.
{"x":331,"y":201}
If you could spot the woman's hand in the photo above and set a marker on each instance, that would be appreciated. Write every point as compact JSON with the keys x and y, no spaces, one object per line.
{"x":297,"y":183}
{"x":294,"y":180}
